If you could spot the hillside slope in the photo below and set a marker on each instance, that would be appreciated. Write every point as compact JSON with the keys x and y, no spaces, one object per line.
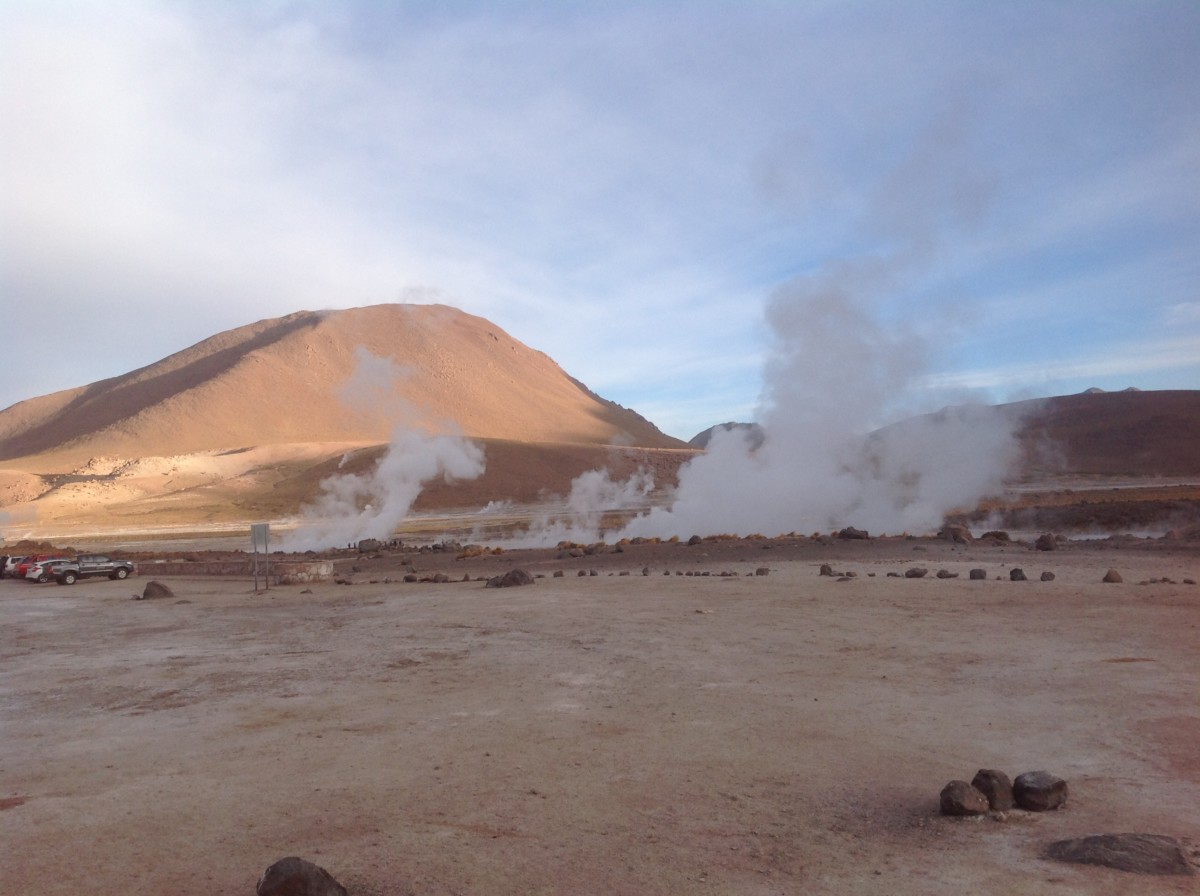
{"x":333,"y":376}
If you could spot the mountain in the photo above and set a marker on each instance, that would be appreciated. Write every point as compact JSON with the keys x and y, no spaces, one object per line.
{"x":331,"y":376}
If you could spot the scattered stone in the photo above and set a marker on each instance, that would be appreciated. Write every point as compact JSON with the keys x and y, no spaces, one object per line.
{"x":368,"y":546}
{"x":851,"y":533}
{"x":762,"y":571}
{"x":916,"y":572}
{"x":996,"y":786}
{"x":1112,"y":576}
{"x":1016,"y":574}
{"x":977,"y":574}
{"x":695,"y":540}
{"x":946,"y":574}
{"x":1135,"y":853}
{"x":960,"y":798}
{"x":294,"y":876}
{"x":996,"y":535}
{"x":511,"y":579}
{"x":411,"y":577}
{"x":1047,"y":576}
{"x":645,"y":570}
{"x":440,"y":578}
{"x":826,"y":569}
{"x":893,"y":575}
{"x":592,"y":572}
{"x":1189,"y":581}
{"x":1047,"y":541}
{"x":153,"y":590}
{"x":1039,"y":791}
{"x":582,"y":573}
{"x":558,"y":573}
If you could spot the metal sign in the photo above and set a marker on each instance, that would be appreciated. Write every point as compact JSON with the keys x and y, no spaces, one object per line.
{"x":260,"y":533}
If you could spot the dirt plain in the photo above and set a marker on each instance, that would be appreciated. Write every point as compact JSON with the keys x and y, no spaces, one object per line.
{"x":661,"y":733}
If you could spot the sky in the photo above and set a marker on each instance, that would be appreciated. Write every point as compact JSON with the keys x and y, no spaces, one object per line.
{"x":627,"y":187}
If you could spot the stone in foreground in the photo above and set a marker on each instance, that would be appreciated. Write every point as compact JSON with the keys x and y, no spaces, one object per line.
{"x":1039,"y":791}
{"x":294,"y":876}
{"x":996,"y":786}
{"x":960,"y":798}
{"x":1135,"y":853}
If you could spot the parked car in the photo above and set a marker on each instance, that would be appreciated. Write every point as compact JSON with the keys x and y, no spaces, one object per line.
{"x":9,"y":566}
{"x":22,"y":568}
{"x":86,"y":565}
{"x":45,"y":570}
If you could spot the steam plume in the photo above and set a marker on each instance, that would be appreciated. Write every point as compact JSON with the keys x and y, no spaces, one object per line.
{"x":352,"y":507}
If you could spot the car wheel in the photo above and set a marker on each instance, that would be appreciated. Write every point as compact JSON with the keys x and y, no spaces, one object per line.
{"x":43,"y":579}
{"x":120,"y":573}
{"x":67,"y":579}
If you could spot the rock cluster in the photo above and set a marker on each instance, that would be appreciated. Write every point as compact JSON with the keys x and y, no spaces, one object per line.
{"x":991,"y":791}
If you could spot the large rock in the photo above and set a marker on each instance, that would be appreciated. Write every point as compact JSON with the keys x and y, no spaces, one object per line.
{"x":294,"y":876}
{"x":1136,"y":853}
{"x":851,"y":533}
{"x":511,"y":579}
{"x":155,"y":589}
{"x":1039,"y":791}
{"x":978,"y":575}
{"x":996,"y":786}
{"x":960,"y":798}
{"x":957,"y":534}
{"x":1016,"y":574}
{"x":916,"y":572}
{"x":1112,"y":576}
{"x":1046,"y":542}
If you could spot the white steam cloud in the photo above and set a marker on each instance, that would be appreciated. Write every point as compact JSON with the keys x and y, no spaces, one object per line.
{"x":352,"y":507}
{"x":836,"y":371}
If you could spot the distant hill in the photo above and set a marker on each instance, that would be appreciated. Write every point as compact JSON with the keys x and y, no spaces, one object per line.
{"x":1096,"y":433}
{"x":753,"y":431}
{"x":1127,"y":433}
{"x":284,"y":381}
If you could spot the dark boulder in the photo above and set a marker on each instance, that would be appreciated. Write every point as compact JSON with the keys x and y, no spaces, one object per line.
{"x":1135,"y":853}
{"x":956,"y":534}
{"x":916,"y":572}
{"x":826,"y":569}
{"x":1112,"y":576}
{"x":978,"y":574}
{"x":996,"y":786}
{"x":1039,"y":791}
{"x":960,"y":798}
{"x":511,"y":579}
{"x":1047,"y":576}
{"x":851,"y":533}
{"x":298,"y":877}
{"x":1046,"y":542}
{"x":1017,"y":575}
{"x":153,"y":590}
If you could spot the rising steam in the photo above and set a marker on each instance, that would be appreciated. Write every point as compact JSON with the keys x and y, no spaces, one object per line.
{"x":837,"y":370}
{"x":352,"y":507}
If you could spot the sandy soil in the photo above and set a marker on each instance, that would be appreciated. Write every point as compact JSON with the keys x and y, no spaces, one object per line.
{"x":613,"y":733}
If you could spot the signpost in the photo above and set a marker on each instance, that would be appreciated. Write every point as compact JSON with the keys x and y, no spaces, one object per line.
{"x":260,"y":533}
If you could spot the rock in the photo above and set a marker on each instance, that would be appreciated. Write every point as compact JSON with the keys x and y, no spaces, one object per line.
{"x":294,"y":876}
{"x":153,"y":590}
{"x":996,"y":786}
{"x":1047,"y":576}
{"x":916,"y":572}
{"x":511,"y":579}
{"x":956,"y":534}
{"x":1046,"y":542}
{"x":368,"y":546}
{"x":558,"y":573}
{"x":695,"y":540}
{"x":977,"y":574}
{"x":1112,"y":576}
{"x":1135,"y":853}
{"x":826,"y":569}
{"x":1016,"y":575}
{"x":440,"y":578}
{"x":411,"y":577}
{"x":762,"y":571}
{"x":996,"y":535}
{"x":1039,"y":791}
{"x":960,"y":798}
{"x":851,"y":533}
{"x":946,"y":574}
{"x":581,"y":573}
{"x":645,"y":570}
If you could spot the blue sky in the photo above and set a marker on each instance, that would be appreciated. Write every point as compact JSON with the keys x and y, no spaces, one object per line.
{"x":623,"y":186}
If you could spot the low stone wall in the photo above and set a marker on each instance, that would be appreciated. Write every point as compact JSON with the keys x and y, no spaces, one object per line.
{"x":285,"y":572}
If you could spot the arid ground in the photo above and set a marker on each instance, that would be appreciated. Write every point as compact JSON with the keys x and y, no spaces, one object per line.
{"x":617,"y":733}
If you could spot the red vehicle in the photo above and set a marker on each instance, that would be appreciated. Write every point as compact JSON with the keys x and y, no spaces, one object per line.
{"x":22,"y":568}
